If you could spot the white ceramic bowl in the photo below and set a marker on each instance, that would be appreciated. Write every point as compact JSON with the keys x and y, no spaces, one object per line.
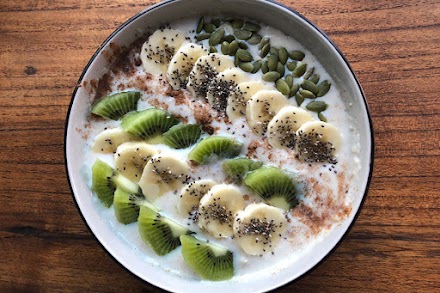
{"x":272,"y":14}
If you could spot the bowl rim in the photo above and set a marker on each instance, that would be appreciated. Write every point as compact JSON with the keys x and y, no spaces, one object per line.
{"x":323,"y":34}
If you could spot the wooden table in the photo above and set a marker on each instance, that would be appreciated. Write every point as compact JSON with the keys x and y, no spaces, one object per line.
{"x":394,"y":48}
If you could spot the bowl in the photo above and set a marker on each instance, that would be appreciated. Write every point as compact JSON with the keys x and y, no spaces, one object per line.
{"x":272,"y":14}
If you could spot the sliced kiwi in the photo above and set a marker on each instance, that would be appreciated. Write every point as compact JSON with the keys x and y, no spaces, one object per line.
{"x":148,"y":123}
{"x":127,"y":205}
{"x":159,"y":232}
{"x":102,"y":183}
{"x":125,"y":184}
{"x":219,"y":145}
{"x":117,"y":105}
{"x":273,"y":185}
{"x":182,"y":136}
{"x":209,"y":261}
{"x":237,"y":168}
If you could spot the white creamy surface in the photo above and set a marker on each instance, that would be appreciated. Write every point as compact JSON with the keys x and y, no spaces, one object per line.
{"x":299,"y":239}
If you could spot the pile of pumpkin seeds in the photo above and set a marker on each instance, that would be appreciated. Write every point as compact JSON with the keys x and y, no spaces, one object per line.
{"x":276,"y":63}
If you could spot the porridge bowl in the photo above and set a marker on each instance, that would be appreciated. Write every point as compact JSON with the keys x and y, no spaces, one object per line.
{"x":218,"y":145}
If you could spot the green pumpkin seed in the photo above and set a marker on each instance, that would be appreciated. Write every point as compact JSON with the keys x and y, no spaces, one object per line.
{"x":307,"y":94}
{"x":228,"y":19}
{"x":323,"y":88}
{"x":265,"y":50}
{"x":264,"y":67}
{"x":237,"y":23}
{"x":280,"y":69}
{"x":257,"y":66}
{"x":263,"y":42}
{"x":314,"y":78}
{"x":242,"y":34}
{"x":271,"y":76}
{"x":212,"y":49}
{"x":255,"y":39}
{"x":282,"y":87}
{"x":322,"y":117}
{"x":289,"y":80}
{"x":252,"y":27}
{"x":203,"y":36}
{"x":283,"y":55}
{"x":300,"y":70}
{"x":209,"y":28}
{"x":200,"y":25}
{"x":217,"y":37}
{"x":246,"y":66}
{"x":243,"y":55}
{"x":297,"y":55}
{"x":299,"y":99}
{"x":242,"y":45}
{"x":233,"y":47}
{"x":272,"y":62}
{"x":229,"y":38}
{"x":294,"y":89}
{"x":225,"y":48}
{"x":236,"y":61}
{"x":216,"y":21}
{"x":310,"y":86}
{"x":274,"y":51}
{"x":291,"y":65}
{"x":316,"y":106}
{"x":309,"y":73}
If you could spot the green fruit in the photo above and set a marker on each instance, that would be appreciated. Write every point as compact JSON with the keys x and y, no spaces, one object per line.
{"x":160,"y":233}
{"x":126,"y":206}
{"x":148,"y":123}
{"x":274,"y":186}
{"x":102,"y":183}
{"x":237,"y":168}
{"x":210,"y":262}
{"x":117,"y":105}
{"x":219,"y":145}
{"x":182,"y":136}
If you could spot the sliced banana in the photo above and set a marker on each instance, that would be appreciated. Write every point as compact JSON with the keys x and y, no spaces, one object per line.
{"x":205,"y":70}
{"x":160,"y":48}
{"x":163,"y":173}
{"x":218,"y":208}
{"x":281,"y":130}
{"x":191,"y":194}
{"x":182,"y":63}
{"x":318,"y":142}
{"x":262,"y":107}
{"x":131,"y":158}
{"x":236,"y":107}
{"x":259,"y":228}
{"x":108,"y":140}
{"x":224,"y":85}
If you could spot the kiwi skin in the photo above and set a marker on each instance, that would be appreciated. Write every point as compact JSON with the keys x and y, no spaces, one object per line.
{"x":219,"y":145}
{"x":208,"y":261}
{"x":117,"y":105}
{"x":182,"y":136}
{"x":237,"y":168}
{"x":102,"y":183}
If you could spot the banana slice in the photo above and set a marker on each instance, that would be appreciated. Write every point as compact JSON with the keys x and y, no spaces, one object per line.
{"x":163,"y":173}
{"x":224,"y":85}
{"x":259,"y":228}
{"x":191,"y":194}
{"x":205,"y":70}
{"x":108,"y":140}
{"x":281,"y":130}
{"x":262,"y":107}
{"x":131,"y":158}
{"x":182,"y":63}
{"x":318,"y":141}
{"x":218,"y":208}
{"x":236,"y":107}
{"x":157,"y":52}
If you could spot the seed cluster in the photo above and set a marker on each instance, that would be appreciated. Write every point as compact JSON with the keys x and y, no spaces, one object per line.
{"x":220,"y":90}
{"x":263,"y":230}
{"x":312,"y":148}
{"x":217,"y":211}
{"x":238,"y":101}
{"x":166,"y":174}
{"x":200,"y":79}
{"x":284,"y":132}
{"x":180,"y":76}
{"x":161,"y":55}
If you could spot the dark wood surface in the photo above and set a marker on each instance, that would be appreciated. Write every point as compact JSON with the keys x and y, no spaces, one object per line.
{"x":394,"y":48}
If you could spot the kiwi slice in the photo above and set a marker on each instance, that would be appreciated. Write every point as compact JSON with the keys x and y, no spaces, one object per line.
{"x":275,"y":186}
{"x":148,"y":123}
{"x":209,"y":261}
{"x":237,"y":168}
{"x":127,"y":205}
{"x":102,"y":183}
{"x":117,"y":105}
{"x":182,"y":136}
{"x":219,"y":145}
{"x":161,"y":233}
{"x":126,"y":184}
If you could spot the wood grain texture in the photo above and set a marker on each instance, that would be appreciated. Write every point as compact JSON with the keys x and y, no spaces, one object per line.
{"x":394,"y":48}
